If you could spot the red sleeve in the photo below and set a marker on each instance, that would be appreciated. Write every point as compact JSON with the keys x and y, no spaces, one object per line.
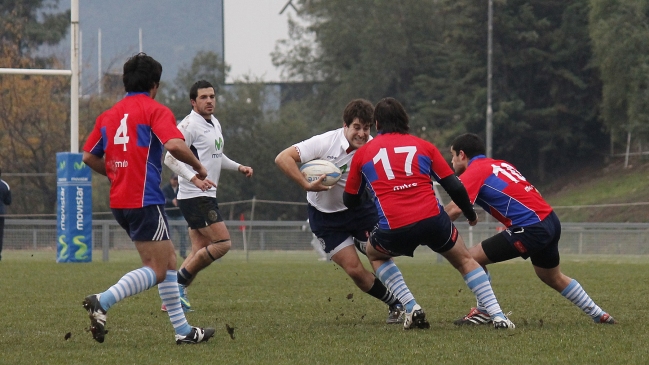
{"x":163,"y":124}
{"x":355,"y":178}
{"x":94,"y":143}
{"x":440,"y":167}
{"x":472,"y":180}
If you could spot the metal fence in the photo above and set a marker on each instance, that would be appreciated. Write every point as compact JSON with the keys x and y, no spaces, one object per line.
{"x":576,"y":238}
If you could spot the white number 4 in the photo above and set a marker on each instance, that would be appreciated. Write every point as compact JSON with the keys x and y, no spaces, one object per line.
{"x":383,"y":157}
{"x":121,"y":136}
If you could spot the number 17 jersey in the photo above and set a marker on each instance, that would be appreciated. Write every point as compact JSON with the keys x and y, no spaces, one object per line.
{"x":397,"y":169}
{"x":131,"y":136}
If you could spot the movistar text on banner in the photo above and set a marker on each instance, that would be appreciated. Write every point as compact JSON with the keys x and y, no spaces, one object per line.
{"x":73,"y":208}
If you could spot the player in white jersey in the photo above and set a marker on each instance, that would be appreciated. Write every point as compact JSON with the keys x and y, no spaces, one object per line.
{"x":207,"y":231}
{"x":337,"y":228}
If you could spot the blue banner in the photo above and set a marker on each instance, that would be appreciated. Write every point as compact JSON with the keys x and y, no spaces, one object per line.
{"x":73,"y":208}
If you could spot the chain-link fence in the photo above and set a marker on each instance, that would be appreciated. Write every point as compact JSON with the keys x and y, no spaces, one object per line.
{"x":577,"y":238}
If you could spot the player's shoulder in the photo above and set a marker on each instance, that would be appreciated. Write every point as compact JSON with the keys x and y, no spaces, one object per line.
{"x":328,"y":138}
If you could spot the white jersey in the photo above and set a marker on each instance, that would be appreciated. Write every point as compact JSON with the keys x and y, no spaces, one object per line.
{"x":205,"y":140}
{"x":331,"y":146}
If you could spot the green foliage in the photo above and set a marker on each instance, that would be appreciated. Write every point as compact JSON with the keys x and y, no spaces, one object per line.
{"x":206,"y":65}
{"x":432,"y":56}
{"x":287,"y":308}
{"x":620,"y":33}
{"x":28,"y":24}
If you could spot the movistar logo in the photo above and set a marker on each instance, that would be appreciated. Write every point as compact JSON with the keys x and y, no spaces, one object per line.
{"x":343,"y":169}
{"x":63,"y":253}
{"x":82,"y":248}
{"x":62,"y":165}
{"x":218,"y":144}
{"x":79,"y":165}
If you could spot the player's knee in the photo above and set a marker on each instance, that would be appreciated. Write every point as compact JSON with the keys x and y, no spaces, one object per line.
{"x":223,"y":245}
{"x":356,"y":272}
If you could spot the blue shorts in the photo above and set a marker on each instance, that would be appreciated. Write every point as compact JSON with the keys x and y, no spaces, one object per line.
{"x":437,"y":232}
{"x":200,"y":212}
{"x":539,"y":242}
{"x":336,"y":230}
{"x":144,"y":224}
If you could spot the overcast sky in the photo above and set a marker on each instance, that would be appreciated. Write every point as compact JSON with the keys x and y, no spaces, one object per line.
{"x":252,"y":27}
{"x":250,"y":31}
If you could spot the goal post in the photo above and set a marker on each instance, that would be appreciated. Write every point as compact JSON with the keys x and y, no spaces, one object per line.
{"x":73,"y":73}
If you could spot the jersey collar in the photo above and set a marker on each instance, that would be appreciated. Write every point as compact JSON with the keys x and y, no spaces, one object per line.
{"x":132,"y":93}
{"x":475,"y":158}
{"x":211,"y":121}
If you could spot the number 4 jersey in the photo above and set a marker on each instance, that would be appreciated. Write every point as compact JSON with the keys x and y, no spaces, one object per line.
{"x":397,"y":169}
{"x":131,"y":136}
{"x":503,"y":192}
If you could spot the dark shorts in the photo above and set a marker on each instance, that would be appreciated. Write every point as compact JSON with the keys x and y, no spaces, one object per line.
{"x":336,"y":231}
{"x":539,"y":242}
{"x":144,"y":224}
{"x":200,"y":212}
{"x":438,"y":233}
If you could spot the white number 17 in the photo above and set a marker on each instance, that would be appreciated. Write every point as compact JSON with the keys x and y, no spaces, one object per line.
{"x":382,"y":156}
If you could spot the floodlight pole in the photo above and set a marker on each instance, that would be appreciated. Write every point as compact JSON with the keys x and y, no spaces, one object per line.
{"x":74,"y":81}
{"x":489,"y":132}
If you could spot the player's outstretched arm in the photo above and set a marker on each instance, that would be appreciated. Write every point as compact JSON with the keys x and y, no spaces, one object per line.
{"x":178,"y":149}
{"x":460,"y":197}
{"x":246,"y":170}
{"x":453,"y":211}
{"x":181,"y":169}
{"x":94,"y":162}
{"x":287,"y":161}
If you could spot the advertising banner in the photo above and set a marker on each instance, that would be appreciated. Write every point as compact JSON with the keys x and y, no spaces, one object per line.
{"x":73,"y":208}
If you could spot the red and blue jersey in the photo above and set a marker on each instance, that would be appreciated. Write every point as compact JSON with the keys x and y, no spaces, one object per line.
{"x":503,"y":192}
{"x":131,"y":136}
{"x":397,"y":169}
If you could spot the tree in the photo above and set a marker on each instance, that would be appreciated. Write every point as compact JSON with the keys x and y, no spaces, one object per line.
{"x":431,"y":54}
{"x":206,"y":65}
{"x":28,"y":24}
{"x":33,"y":109}
{"x":620,"y":33}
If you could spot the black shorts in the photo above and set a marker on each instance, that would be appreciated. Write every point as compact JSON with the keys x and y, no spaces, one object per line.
{"x":200,"y":212}
{"x":144,"y":224}
{"x":539,"y":242}
{"x":438,"y":233}
{"x":336,"y":230}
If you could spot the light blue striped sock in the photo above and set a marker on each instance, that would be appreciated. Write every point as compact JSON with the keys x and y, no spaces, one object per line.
{"x":578,"y":296}
{"x":170,"y":295}
{"x":132,"y":283}
{"x":391,"y":277}
{"x":479,"y":305}
{"x":478,"y":281}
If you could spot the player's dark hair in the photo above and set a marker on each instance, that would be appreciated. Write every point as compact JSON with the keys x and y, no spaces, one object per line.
{"x":470,"y":143}
{"x":361,"y":109}
{"x":141,"y":73}
{"x":391,"y":117}
{"x":200,"y":84}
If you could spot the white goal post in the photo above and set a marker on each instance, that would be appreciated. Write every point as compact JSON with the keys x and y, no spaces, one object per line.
{"x":73,"y":73}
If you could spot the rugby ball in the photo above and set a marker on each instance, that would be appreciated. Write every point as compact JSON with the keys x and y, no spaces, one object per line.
{"x":312,"y":170}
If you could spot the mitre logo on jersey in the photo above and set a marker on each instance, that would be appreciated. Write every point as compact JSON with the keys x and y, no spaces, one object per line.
{"x":218,"y":143}
{"x":404,"y":186}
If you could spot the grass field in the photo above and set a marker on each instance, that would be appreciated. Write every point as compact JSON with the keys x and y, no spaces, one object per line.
{"x":288,"y":308}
